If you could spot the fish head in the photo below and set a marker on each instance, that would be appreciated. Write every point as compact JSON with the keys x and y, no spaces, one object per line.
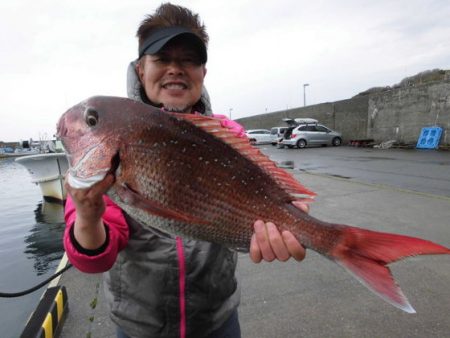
{"x":90,"y":134}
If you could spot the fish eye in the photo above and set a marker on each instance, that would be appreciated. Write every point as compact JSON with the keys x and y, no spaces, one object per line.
{"x":91,"y":117}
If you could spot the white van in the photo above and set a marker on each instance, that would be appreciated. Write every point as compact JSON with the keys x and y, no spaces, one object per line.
{"x":276,"y":134}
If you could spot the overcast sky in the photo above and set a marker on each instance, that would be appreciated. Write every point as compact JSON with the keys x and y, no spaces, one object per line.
{"x":56,"y":53}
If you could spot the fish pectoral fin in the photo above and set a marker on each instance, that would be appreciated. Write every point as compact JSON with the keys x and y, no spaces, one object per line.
{"x":133,"y":198}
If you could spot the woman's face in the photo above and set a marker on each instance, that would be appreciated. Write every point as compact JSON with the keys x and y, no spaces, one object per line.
{"x":173,"y":77}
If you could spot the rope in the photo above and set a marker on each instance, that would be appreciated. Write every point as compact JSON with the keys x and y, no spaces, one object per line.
{"x":25,"y":292}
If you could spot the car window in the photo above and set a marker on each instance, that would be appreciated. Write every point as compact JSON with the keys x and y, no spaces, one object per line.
{"x":322,"y":129}
{"x":258,"y":132}
{"x":273,"y":131}
{"x":302,"y":128}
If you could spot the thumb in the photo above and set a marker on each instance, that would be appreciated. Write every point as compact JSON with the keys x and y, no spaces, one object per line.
{"x":301,"y":205}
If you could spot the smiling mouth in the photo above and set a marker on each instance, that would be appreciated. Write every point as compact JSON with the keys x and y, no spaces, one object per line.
{"x":174,"y":86}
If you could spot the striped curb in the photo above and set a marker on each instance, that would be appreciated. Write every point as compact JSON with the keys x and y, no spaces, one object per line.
{"x":47,"y":319}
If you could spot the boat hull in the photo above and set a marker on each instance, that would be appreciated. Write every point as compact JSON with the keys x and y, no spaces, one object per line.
{"x":18,"y":154}
{"x":47,"y":171}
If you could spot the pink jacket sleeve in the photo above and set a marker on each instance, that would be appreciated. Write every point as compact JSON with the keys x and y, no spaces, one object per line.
{"x":118,"y":238}
{"x":233,"y":126}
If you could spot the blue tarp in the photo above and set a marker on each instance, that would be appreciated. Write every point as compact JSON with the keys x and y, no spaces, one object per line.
{"x":429,"y":138}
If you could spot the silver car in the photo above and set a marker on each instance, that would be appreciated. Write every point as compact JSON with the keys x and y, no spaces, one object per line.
{"x":310,"y":134}
{"x":259,"y":136}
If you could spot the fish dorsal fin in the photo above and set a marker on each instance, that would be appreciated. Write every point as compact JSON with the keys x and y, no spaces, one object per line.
{"x":213,"y":126}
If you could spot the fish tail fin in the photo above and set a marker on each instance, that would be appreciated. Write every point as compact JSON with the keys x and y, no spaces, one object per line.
{"x":366,"y":253}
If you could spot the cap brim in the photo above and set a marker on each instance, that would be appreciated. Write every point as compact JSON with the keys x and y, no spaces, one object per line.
{"x":155,"y":42}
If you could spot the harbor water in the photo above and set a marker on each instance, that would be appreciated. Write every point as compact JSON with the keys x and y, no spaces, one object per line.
{"x":30,"y":244}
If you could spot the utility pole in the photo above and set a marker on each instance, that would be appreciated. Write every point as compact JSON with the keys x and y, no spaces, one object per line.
{"x":304,"y":93}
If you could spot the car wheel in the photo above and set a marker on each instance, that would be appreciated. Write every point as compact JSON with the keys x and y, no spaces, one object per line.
{"x":301,"y":144}
{"x":252,"y":141}
{"x":336,"y":141}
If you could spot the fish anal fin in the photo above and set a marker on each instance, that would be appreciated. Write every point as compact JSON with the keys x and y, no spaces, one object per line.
{"x":131,"y":197}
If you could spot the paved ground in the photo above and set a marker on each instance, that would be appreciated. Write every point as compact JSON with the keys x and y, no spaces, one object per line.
{"x":419,"y":170}
{"x":397,"y":191}
{"x":88,"y":315}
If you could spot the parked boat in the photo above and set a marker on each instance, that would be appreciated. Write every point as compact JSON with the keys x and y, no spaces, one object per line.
{"x":17,"y":152}
{"x":47,"y":170}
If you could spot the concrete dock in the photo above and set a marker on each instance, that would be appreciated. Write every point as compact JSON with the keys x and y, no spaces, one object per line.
{"x":316,"y":298}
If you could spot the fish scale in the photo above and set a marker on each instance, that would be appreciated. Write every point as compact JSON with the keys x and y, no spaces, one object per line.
{"x":197,"y":156}
{"x":184,"y":174}
{"x":224,"y":213}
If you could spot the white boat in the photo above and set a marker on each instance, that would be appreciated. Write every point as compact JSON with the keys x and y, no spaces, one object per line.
{"x":47,"y":170}
{"x":18,"y":153}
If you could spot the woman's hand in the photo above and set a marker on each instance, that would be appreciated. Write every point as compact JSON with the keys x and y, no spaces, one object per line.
{"x":269,"y":244}
{"x":89,"y":230}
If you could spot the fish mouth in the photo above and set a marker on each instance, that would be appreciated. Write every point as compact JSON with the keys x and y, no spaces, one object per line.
{"x":84,"y":183}
{"x":78,"y":182}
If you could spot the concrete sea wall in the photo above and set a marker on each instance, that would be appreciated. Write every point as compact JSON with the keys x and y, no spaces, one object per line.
{"x":397,"y":113}
{"x":401,"y":113}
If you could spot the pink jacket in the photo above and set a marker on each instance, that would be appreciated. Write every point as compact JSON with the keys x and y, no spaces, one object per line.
{"x":118,"y":238}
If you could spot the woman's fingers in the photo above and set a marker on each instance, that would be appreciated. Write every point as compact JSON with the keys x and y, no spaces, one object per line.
{"x":268,"y":244}
{"x":294,"y":247}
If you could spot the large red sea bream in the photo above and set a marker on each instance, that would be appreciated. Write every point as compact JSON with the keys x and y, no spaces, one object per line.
{"x":186,"y":175}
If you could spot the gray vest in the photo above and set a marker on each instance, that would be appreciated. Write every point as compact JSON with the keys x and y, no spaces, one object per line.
{"x":143,"y":289}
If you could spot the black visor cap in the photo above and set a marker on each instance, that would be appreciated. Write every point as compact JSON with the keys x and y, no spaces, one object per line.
{"x":161,"y":37}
